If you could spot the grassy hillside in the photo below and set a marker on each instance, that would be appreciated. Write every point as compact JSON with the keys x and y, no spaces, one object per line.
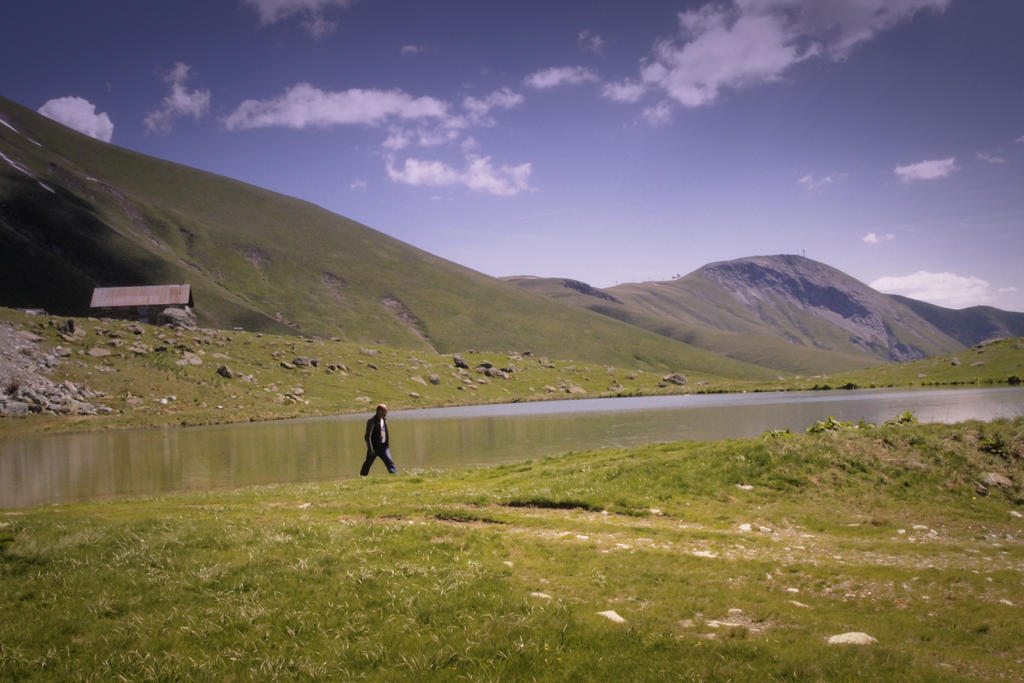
{"x":735,"y":560}
{"x":997,"y":362}
{"x":703,"y":316}
{"x":969,"y":325}
{"x":153,"y":375}
{"x":82,"y":213}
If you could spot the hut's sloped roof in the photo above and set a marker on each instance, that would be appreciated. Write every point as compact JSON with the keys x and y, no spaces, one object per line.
{"x":156,"y":295}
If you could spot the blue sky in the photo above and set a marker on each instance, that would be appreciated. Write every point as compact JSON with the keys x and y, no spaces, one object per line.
{"x":604,"y":141}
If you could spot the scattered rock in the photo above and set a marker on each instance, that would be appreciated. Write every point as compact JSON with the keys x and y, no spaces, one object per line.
{"x":14,"y":408}
{"x":852,"y":638}
{"x":995,"y":479}
{"x":434,"y":379}
{"x":178,"y":318}
{"x":225,"y":372}
{"x":369,"y":352}
{"x":418,"y":380}
{"x":542,"y":596}
{"x":675,"y":378}
{"x":459,"y":363}
{"x":98,"y":352}
{"x":302,"y":362}
{"x":612,"y":615}
{"x":286,"y":365}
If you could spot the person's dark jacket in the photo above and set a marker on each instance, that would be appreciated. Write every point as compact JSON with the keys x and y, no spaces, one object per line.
{"x":373,"y":439}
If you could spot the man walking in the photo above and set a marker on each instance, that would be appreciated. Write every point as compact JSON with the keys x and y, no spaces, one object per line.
{"x":377,"y":441}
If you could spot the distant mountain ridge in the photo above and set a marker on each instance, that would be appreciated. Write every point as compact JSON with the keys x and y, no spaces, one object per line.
{"x":745,"y":308}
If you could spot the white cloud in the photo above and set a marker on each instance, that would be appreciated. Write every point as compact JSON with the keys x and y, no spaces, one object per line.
{"x":180,"y":102}
{"x":658,"y":114}
{"x":480,"y":175}
{"x":590,"y":42}
{"x":624,"y":91}
{"x":80,"y":114}
{"x":812,"y":183}
{"x":397,"y":139}
{"x":926,"y":170}
{"x":1006,"y":290}
{"x":319,"y":27}
{"x":412,"y":49}
{"x":358,"y":186}
{"x":560,"y":75}
{"x":273,"y":11}
{"x":1020,"y":139}
{"x":872,"y":238}
{"x":984,"y":156}
{"x":479,"y":109}
{"x":943,"y":289}
{"x":432,"y":137}
{"x":303,"y":105}
{"x":750,"y":42}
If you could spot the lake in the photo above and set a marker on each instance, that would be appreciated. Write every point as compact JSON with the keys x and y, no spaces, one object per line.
{"x":63,"y":468}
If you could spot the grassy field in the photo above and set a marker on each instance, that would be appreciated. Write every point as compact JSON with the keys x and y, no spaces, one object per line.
{"x":733,"y":560}
{"x":154,"y":376}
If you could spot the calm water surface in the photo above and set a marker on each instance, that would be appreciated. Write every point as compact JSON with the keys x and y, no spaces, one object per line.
{"x":61,"y":468}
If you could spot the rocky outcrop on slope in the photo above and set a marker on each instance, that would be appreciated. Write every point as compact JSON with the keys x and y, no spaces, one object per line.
{"x":24,"y":386}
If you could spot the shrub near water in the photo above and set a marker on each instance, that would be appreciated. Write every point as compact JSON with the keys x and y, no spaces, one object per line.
{"x":727,"y":560}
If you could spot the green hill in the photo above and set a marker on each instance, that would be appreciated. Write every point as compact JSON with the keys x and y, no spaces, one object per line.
{"x":786,"y":312}
{"x":79,"y":213}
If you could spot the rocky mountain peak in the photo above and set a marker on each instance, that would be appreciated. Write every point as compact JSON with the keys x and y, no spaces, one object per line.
{"x":775,"y":288}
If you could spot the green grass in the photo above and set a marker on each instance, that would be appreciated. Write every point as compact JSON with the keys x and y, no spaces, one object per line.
{"x":436,"y":575}
{"x":987,"y":364}
{"x":151,"y":389}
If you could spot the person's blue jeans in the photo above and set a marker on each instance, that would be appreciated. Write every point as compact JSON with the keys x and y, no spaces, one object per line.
{"x":384,"y":455}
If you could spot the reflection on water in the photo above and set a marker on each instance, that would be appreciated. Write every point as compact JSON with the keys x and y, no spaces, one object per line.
{"x":62,"y":468}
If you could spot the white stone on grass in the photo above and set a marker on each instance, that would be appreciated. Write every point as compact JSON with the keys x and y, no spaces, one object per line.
{"x":852,"y":638}
{"x":612,"y":615}
{"x":542,"y":596}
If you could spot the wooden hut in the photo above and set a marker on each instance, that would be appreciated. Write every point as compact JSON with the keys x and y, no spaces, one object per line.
{"x":140,"y":303}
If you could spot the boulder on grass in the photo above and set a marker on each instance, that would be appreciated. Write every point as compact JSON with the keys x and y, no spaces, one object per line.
{"x":178,"y":318}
